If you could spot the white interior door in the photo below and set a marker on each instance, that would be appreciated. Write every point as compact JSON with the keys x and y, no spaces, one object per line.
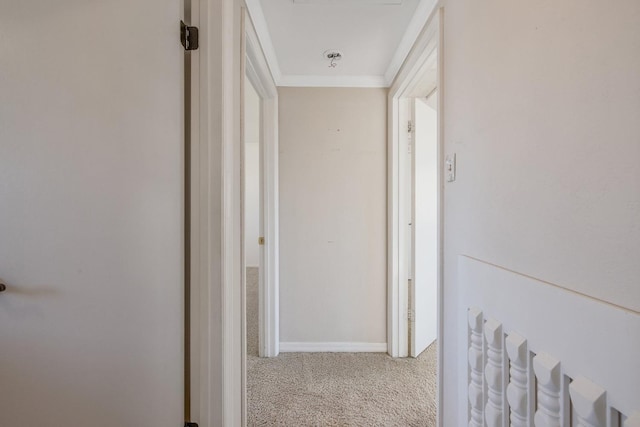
{"x":424,"y":264}
{"x":91,"y":213}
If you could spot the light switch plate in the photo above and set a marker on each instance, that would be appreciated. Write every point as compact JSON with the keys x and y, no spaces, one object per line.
{"x":450,"y":167}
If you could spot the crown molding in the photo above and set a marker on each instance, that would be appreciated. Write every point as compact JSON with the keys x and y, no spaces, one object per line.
{"x":419,"y":19}
{"x":262,"y":30}
{"x":332,"y":81}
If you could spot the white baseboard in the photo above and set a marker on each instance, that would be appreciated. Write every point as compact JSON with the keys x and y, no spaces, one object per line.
{"x":333,"y":347}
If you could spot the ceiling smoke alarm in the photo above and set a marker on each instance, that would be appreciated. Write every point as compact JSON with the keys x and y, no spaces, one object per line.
{"x":332,"y":55}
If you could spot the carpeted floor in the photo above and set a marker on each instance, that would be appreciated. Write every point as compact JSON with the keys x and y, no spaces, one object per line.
{"x":336,"y":389}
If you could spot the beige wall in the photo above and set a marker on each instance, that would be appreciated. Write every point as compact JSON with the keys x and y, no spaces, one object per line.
{"x":542,"y":107}
{"x":332,"y":215}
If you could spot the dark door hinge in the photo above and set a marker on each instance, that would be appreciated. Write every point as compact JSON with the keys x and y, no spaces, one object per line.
{"x":188,"y":36}
{"x":188,"y":424}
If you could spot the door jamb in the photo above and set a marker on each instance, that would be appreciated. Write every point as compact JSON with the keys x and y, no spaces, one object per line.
{"x":218,"y":354}
{"x":258,"y":73}
{"x":430,"y":39}
{"x":217,"y":372}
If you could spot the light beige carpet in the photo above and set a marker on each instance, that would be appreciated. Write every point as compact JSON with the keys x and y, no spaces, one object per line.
{"x":336,"y":389}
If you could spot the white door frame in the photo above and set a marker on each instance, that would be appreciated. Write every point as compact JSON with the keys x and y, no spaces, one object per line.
{"x":218,"y":330}
{"x":430,"y":39}
{"x":257,"y":71}
{"x":217,"y":325}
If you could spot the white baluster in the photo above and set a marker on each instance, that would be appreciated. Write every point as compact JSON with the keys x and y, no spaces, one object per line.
{"x":517,"y":390}
{"x":633,"y":420}
{"x":588,"y":403}
{"x":548,"y":373}
{"x":494,"y":371}
{"x":476,"y":365}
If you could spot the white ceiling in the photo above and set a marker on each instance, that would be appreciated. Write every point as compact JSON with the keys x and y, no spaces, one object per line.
{"x":374,"y":37}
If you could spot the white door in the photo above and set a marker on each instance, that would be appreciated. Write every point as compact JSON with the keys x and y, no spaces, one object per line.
{"x":424,"y":262}
{"x":91,"y":213}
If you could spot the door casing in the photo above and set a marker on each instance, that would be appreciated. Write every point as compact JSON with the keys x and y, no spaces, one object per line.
{"x":257,"y":71}
{"x":429,"y":40}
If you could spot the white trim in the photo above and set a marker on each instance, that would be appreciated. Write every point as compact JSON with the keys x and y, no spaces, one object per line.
{"x":393,"y":314}
{"x":430,"y":38}
{"x":418,"y":21}
{"x":201,"y":393}
{"x":243,"y":270}
{"x":332,"y":81}
{"x":270,"y":187}
{"x":232,"y":293}
{"x":216,"y":301}
{"x":258,"y":69}
{"x":262,"y":31}
{"x":441,"y":217}
{"x":258,"y":72}
{"x":404,"y":114}
{"x":333,"y":347}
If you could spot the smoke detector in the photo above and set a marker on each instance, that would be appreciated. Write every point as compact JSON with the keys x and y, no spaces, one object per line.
{"x":332,"y":55}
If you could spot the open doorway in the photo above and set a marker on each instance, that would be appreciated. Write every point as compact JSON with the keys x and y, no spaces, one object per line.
{"x":287,"y":386}
{"x":228,"y":400}
{"x":415,"y":183}
{"x":333,"y":152}
{"x":260,"y":199}
{"x":259,"y":211}
{"x":416,"y":192}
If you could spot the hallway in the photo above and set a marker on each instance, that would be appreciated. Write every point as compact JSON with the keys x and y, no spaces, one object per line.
{"x":336,"y":389}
